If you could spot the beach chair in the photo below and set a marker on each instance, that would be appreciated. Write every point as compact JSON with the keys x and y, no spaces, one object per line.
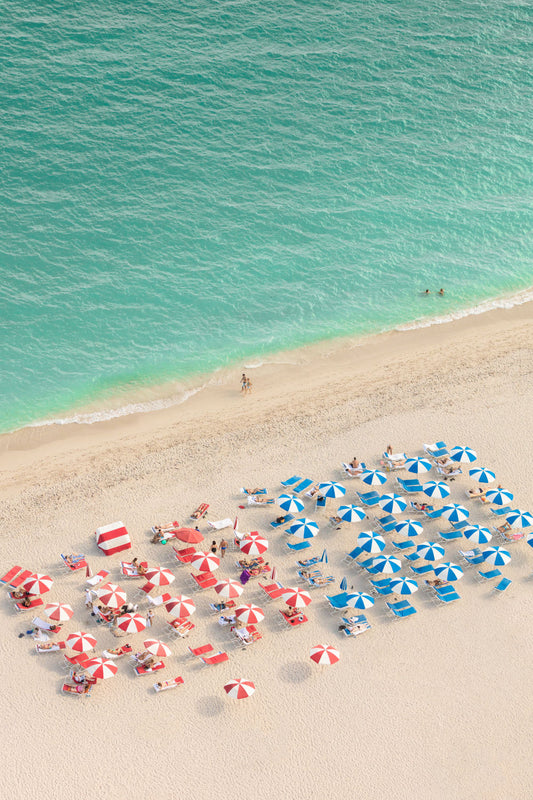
{"x":200,"y":512}
{"x":445,"y":594}
{"x":259,"y":491}
{"x":273,"y":591}
{"x":196,"y":652}
{"x":320,"y":580}
{"x":412,"y":557}
{"x":433,"y":513}
{"x":140,"y":670}
{"x":508,"y":537}
{"x":306,"y":578}
{"x":458,"y":526}
{"x":170,"y":684}
{"x":350,"y":557}
{"x":128,"y":570}
{"x":423,"y":569}
{"x":35,"y":603}
{"x":291,"y":481}
{"x":216,"y":608}
{"x":299,"y":545}
{"x":381,"y":587}
{"x":310,"y":562}
{"x":77,"y":661}
{"x":10,"y":575}
{"x":336,"y":602}
{"x":401,"y":609}
{"x":369,"y":498}
{"x":474,"y":556}
{"x":50,"y":647}
{"x":251,"y":501}
{"x":394,"y":462}
{"x":487,"y":575}
{"x":502,"y":585}
{"x":414,"y":510}
{"x":144,"y":591}
{"x":220,"y":524}
{"x":184,"y":555}
{"x":180,"y":628}
{"x":76,"y":562}
{"x":46,"y":625}
{"x":217,"y":658}
{"x":449,"y":536}
{"x":403,"y":545}
{"x":158,"y":600}
{"x":348,"y":470}
{"x":205,"y":580}
{"x":436,"y":450}
{"x":355,"y":625}
{"x":502,"y":511}
{"x":410,"y":485}
{"x":78,"y":689}
{"x":387,"y":523}
{"x":118,"y":652}
{"x":303,"y":486}
{"x":292,"y":622}
{"x":368,"y":561}
{"x":286,"y":518}
{"x":98,"y":578}
{"x":447,"y":475}
{"x":19,"y":579}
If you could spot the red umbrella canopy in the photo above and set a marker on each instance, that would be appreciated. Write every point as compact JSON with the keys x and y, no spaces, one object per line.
{"x":38,"y":583}
{"x":181,"y":606}
{"x":239,"y":688}
{"x":112,"y":595}
{"x":131,"y":623}
{"x":59,"y":612}
{"x":81,"y":641}
{"x":205,"y":562}
{"x":157,"y":648}
{"x":250,"y":614}
{"x":324,"y":654}
{"x":101,"y":668}
{"x":188,"y":535}
{"x":253,"y":547}
{"x":229,"y":589}
{"x":159,"y":576}
{"x":296,"y":597}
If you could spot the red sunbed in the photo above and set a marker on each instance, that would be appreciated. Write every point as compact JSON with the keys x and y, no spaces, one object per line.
{"x":15,"y":583}
{"x":98,"y":578}
{"x":171,"y":684}
{"x":185,"y":555}
{"x":218,"y":658}
{"x":8,"y":577}
{"x":201,"y":651}
{"x":79,"y":688}
{"x":272,"y":590}
{"x":293,"y":621}
{"x":140,"y":670}
{"x":200,"y":512}
{"x":37,"y":601}
{"x":205,"y":580}
{"x":77,"y":661}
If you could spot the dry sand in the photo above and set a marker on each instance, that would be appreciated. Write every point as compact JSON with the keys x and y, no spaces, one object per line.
{"x":437,"y":706}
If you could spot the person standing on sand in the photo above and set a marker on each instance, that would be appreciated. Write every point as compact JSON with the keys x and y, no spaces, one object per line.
{"x":222,"y":547}
{"x":243,"y":383}
{"x":248,"y":389}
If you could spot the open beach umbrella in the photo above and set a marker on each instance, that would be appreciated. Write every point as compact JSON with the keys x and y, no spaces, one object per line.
{"x":392,"y":503}
{"x":255,"y":546}
{"x":249,"y":614}
{"x":482,"y":474}
{"x":371,"y":542}
{"x":351,"y":513}
{"x":205,"y":562}
{"x":181,"y":605}
{"x":418,"y":466}
{"x":497,"y":556}
{"x":297,"y":598}
{"x":81,"y":642}
{"x":111,"y":595}
{"x":464,"y":455}
{"x":477,"y":534}
{"x":403,"y":585}
{"x":430,"y":551}
{"x":386,"y":564}
{"x":303,"y":528}
{"x":59,"y":612}
{"x":159,"y":576}
{"x":38,"y":583}
{"x":290,"y":503}
{"x":324,"y":557}
{"x":359,"y":600}
{"x":436,"y":489}
{"x":157,"y":648}
{"x":324,"y":654}
{"x":529,"y":539}
{"x":519,"y":519}
{"x":454,"y":512}
{"x":188,"y":535}
{"x":239,"y":689}
{"x":448,"y":571}
{"x":499,"y":497}
{"x":373,"y":477}
{"x":101,"y":668}
{"x":131,"y":623}
{"x":331,"y":489}
{"x":409,"y":527}
{"x":229,"y":589}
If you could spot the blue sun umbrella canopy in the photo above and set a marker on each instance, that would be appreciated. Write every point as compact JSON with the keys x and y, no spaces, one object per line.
{"x":303,"y":528}
{"x":403,"y":585}
{"x":359,"y":600}
{"x":464,"y":455}
{"x":454,"y":512}
{"x":482,"y":474}
{"x":373,"y":477}
{"x":392,"y":503}
{"x":430,"y":551}
{"x":418,"y":466}
{"x":351,"y":513}
{"x":371,"y":542}
{"x":436,"y":489}
{"x":386,"y":564}
{"x":519,"y":519}
{"x":497,"y":556}
{"x":500,"y":497}
{"x":290,"y":503}
{"x":448,"y":571}
{"x":331,"y":489}
{"x":529,"y":539}
{"x":409,"y":527}
{"x":477,"y":534}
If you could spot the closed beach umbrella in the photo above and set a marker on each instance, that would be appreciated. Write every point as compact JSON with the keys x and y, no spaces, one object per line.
{"x":448,"y":571}
{"x":297,"y":598}
{"x":181,"y":605}
{"x":519,"y":519}
{"x":239,"y":689}
{"x":249,"y":614}
{"x":497,"y":556}
{"x":157,"y":648}
{"x":386,"y":564}
{"x":159,"y":576}
{"x":477,"y":534}
{"x":81,"y":642}
{"x":373,"y":477}
{"x":438,"y":490}
{"x":359,"y":600}
{"x":290,"y":503}
{"x":253,"y":547}
{"x":454,"y":512}
{"x":60,"y":612}
{"x":112,"y":595}
{"x":324,"y":557}
{"x":499,"y":497}
{"x":351,"y":513}
{"x":131,"y":623}
{"x":38,"y":583}
{"x":392,"y":503}
{"x":371,"y":542}
{"x":303,"y":528}
{"x":403,"y":585}
{"x":188,"y":535}
{"x":409,"y":527}
{"x":324,"y":654}
{"x":418,"y":466}
{"x":482,"y":474}
{"x":343,"y":584}
{"x":229,"y":589}
{"x":464,"y":455}
{"x":205,"y":562}
{"x":431,"y":551}
{"x":331,"y":489}
{"x":101,"y":668}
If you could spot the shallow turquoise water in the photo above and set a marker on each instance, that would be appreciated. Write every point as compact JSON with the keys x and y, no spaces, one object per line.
{"x":187,"y":185}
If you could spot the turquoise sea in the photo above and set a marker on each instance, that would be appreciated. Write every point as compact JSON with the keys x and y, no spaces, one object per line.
{"x":190,"y":185}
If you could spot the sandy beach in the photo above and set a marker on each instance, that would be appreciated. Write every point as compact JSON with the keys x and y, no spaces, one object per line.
{"x":438,"y":705}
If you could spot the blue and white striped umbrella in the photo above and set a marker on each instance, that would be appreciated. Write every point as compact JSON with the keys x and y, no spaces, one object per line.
{"x":431,"y":551}
{"x":519,"y":519}
{"x":392,"y":503}
{"x":359,"y":600}
{"x":418,"y":465}
{"x":454,"y":512}
{"x":290,"y":503}
{"x":331,"y":489}
{"x":477,"y":534}
{"x":324,"y":557}
{"x":373,"y":477}
{"x":386,"y":564}
{"x":371,"y":542}
{"x":499,"y":497}
{"x":529,"y":539}
{"x":448,"y":571}
{"x":303,"y":528}
{"x":351,"y":513}
{"x":403,"y":585}
{"x":437,"y":489}
{"x":497,"y":556}
{"x":409,"y":527}
{"x":463,"y":454}
{"x":343,"y":584}
{"x":482,"y":474}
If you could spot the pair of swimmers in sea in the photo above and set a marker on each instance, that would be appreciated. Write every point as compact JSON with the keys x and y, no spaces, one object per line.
{"x":441,"y":292}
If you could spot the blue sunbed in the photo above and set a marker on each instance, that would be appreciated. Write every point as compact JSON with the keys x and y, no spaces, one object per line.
{"x":435,"y":514}
{"x":288,"y":518}
{"x":350,"y":557}
{"x":337,"y":602}
{"x":310,"y":562}
{"x":449,"y":536}
{"x":403,"y":545}
{"x":381,"y":587}
{"x":291,"y":481}
{"x":423,"y":569}
{"x":299,"y":546}
{"x":402,"y":608}
{"x":445,"y":594}
{"x":369,"y":498}
{"x":502,"y":585}
{"x":410,"y":485}
{"x":503,"y":510}
{"x":387,"y":523}
{"x":302,"y":486}
{"x":489,"y":574}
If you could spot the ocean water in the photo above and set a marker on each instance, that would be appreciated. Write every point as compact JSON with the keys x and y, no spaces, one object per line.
{"x":191,"y":185}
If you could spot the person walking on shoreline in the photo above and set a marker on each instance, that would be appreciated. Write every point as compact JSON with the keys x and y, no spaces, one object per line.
{"x":243,"y":383}
{"x":248,"y":388}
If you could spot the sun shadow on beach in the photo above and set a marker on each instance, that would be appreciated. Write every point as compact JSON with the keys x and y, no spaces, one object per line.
{"x":209,"y":706}
{"x":294,"y":672}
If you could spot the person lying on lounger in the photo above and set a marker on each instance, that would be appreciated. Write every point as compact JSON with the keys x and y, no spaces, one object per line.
{"x":292,"y":611}
{"x":166,"y":526}
{"x":419,"y":506}
{"x":256,"y":490}
{"x":397,"y":459}
{"x":505,"y":527}
{"x":141,"y":570}
{"x":355,"y":467}
{"x":20,"y":594}
{"x":479,"y":491}
{"x":227,"y":620}
{"x":73,"y":560}
{"x":259,"y":498}
{"x":436,"y":582}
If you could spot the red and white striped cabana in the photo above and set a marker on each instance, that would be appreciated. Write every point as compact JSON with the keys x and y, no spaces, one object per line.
{"x":113,"y":538}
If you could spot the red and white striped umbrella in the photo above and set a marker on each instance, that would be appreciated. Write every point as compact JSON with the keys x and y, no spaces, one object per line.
{"x":38,"y":583}
{"x":159,"y":576}
{"x":324,"y":654}
{"x":238,"y":688}
{"x":250,"y":614}
{"x":253,"y":547}
{"x":81,"y":642}
{"x":181,"y":605}
{"x":112,"y":595}
{"x":205,"y":562}
{"x":157,"y":648}
{"x":60,"y":612}
{"x":296,"y":597}
{"x":101,"y":668}
{"x":131,"y":623}
{"x":229,"y":589}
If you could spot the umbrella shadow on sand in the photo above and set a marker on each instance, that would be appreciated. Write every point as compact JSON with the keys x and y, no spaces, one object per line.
{"x":295,"y":672}
{"x":209,"y":706}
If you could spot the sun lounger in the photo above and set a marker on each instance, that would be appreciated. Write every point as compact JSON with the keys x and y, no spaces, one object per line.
{"x":34,"y":603}
{"x":253,"y":501}
{"x":170,"y":684}
{"x":355,"y":625}
{"x":387,"y":523}
{"x":79,"y":689}
{"x":449,"y":536}
{"x":118,"y":652}
{"x":434,"y":513}
{"x":394,"y":462}
{"x":474,"y":556}
{"x":310,"y":562}
{"x":98,"y":578}
{"x":414,"y":510}
{"x":180,"y":628}
{"x":243,"y":637}
{"x":403,"y":545}
{"x":216,"y":608}
{"x":299,"y":545}
{"x":144,"y":591}
{"x":10,"y":575}
{"x":337,"y":602}
{"x":350,"y":557}
{"x":447,"y":475}
{"x":50,"y":647}
{"x":46,"y":625}
{"x":291,"y":481}
{"x":502,"y":585}
{"x":200,"y":651}
{"x":292,"y":622}
{"x":158,"y":600}
{"x":458,"y":526}
{"x":73,"y":563}
{"x":352,"y":472}
{"x":502,"y":511}
{"x":321,"y":580}
{"x":205,"y":580}
{"x":286,"y":518}
{"x":369,"y":498}
{"x":381,"y":587}
{"x":423,"y":569}
{"x":401,"y":609}
{"x":320,"y":501}
{"x":20,"y":578}
{"x":487,"y":575}
{"x":78,"y":661}
{"x":410,"y":485}
{"x":220,"y":524}
{"x":140,"y":670}
{"x":272,"y":590}
{"x":184,"y":555}
{"x":259,"y":491}
{"x":303,"y":486}
{"x":218,"y":658}
{"x":436,"y":450}
{"x":445,"y":594}
{"x":412,"y":557}
{"x":200,"y":512}
{"x":509,"y":537}
{"x":128,"y":570}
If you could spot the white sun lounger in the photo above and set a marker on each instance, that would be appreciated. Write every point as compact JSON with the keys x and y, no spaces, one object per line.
{"x":220,"y":524}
